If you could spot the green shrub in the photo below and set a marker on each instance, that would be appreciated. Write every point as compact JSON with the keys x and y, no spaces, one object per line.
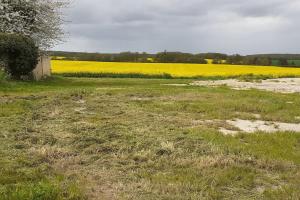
{"x":19,"y":55}
{"x":43,"y":190}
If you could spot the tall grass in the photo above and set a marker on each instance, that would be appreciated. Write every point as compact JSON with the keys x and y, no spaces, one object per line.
{"x":115,"y":75}
{"x":244,"y":77}
{"x":2,"y":74}
{"x":43,"y":190}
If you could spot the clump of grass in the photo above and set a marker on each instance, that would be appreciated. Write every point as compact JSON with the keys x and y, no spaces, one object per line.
{"x":2,"y":74}
{"x":33,"y":179}
{"x":42,"y":190}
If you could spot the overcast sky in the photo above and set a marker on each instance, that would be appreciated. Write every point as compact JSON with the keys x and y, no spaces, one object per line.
{"x":227,"y":26}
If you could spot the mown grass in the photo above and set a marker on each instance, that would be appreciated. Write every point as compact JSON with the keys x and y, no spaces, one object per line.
{"x":69,"y":138}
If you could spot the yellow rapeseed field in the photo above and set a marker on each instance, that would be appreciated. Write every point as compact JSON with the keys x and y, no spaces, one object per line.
{"x":176,"y":70}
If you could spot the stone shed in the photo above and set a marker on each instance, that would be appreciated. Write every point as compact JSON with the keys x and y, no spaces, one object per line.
{"x":43,"y":68}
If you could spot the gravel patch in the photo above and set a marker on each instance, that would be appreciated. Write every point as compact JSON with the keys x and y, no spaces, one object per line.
{"x":228,"y":132}
{"x":176,"y":85}
{"x":281,"y":85}
{"x":259,"y":125}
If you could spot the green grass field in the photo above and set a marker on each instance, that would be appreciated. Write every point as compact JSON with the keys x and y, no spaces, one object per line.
{"x":291,"y":62}
{"x":68,"y":138}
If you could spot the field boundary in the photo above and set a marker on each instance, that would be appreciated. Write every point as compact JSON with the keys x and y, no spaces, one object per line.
{"x":169,"y":76}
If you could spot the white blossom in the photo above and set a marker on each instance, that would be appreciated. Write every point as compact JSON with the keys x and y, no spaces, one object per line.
{"x":41,"y":20}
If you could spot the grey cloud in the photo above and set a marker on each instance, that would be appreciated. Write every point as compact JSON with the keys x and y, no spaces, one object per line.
{"x":229,"y":26}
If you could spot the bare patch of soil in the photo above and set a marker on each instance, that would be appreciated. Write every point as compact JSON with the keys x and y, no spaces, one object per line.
{"x":281,"y":85}
{"x":176,"y":84}
{"x":259,"y":125}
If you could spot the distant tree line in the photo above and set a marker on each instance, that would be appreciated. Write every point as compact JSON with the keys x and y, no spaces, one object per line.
{"x":280,"y":56}
{"x":248,"y":60}
{"x":162,"y":57}
{"x":179,"y":57}
{"x":216,"y":56}
{"x":103,"y":57}
{"x":262,"y":60}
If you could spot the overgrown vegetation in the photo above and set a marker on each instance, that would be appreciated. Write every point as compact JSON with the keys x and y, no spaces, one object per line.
{"x":18,"y":54}
{"x":68,"y":138}
{"x":116,"y":75}
{"x":246,"y":77}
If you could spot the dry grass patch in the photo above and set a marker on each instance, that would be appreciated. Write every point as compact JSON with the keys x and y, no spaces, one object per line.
{"x":144,"y":141}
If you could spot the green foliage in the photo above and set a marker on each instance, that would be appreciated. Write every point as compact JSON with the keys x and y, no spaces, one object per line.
{"x":283,"y":62}
{"x":246,"y":77}
{"x":290,"y":63}
{"x":178,"y":57}
{"x":250,"y":60}
{"x":2,"y":75}
{"x":19,"y":54}
{"x":235,"y":59}
{"x":103,"y":57}
{"x":116,"y":75}
{"x":217,"y":61}
{"x":164,"y":57}
{"x":219,"y":56}
{"x":294,"y":62}
{"x":43,"y":190}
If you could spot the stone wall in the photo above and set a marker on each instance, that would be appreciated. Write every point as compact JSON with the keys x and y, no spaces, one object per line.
{"x":43,"y":68}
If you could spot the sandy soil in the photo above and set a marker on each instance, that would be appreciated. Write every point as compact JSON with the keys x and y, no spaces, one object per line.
{"x":259,"y":125}
{"x":282,"y":85}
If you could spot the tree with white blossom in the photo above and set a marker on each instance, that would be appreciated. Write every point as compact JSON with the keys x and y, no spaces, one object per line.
{"x":41,"y":20}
